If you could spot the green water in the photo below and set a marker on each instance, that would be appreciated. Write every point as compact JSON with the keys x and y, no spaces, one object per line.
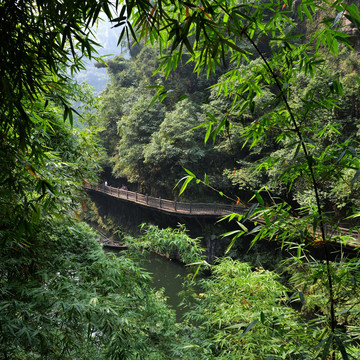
{"x":169,"y":275}
{"x":166,"y":274}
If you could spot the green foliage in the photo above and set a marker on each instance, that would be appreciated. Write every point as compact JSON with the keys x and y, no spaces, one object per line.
{"x":242,"y":314}
{"x":147,"y":144}
{"x":245,"y":110}
{"x":39,"y":40}
{"x":69,"y":299}
{"x":175,"y":142}
{"x":135,"y":129}
{"x":61,"y":297}
{"x":311,"y":279}
{"x":58,"y":301}
{"x":43,"y":161}
{"x":43,"y":178}
{"x":173,"y":243}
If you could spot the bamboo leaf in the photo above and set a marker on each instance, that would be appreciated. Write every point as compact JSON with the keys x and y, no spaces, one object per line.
{"x":245,"y":229}
{"x":234,"y":46}
{"x":208,"y":133}
{"x":267,"y":220}
{"x":259,"y":198}
{"x":307,"y":12}
{"x":185,"y":184}
{"x":182,"y":98}
{"x":190,"y":173}
{"x":262,"y":317}
{"x":251,"y":211}
{"x":302,"y":297}
{"x":236,"y":326}
{"x":238,"y":233}
{"x":341,"y":347}
{"x":255,"y":229}
{"x":206,"y":180}
{"x":251,"y":325}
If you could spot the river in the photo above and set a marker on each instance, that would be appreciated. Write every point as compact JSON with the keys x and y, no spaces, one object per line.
{"x":167,"y":274}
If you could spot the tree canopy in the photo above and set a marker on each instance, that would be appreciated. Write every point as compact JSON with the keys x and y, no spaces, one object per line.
{"x":150,"y":145}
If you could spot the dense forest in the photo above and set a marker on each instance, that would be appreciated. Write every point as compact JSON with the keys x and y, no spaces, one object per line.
{"x":252,"y":102}
{"x":149,"y":146}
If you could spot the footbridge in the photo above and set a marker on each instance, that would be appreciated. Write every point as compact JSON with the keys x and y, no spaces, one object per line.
{"x":169,"y":206}
{"x":203,"y":209}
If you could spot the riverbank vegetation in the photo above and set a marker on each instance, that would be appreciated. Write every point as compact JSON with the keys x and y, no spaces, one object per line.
{"x":175,"y":244}
{"x":258,"y":99}
{"x":71,"y":300}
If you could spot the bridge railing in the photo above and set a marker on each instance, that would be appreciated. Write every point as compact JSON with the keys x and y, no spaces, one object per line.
{"x":169,"y":205}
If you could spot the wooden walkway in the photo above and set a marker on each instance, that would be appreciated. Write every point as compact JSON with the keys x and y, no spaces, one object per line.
{"x":203,"y":209}
{"x":169,"y":206}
